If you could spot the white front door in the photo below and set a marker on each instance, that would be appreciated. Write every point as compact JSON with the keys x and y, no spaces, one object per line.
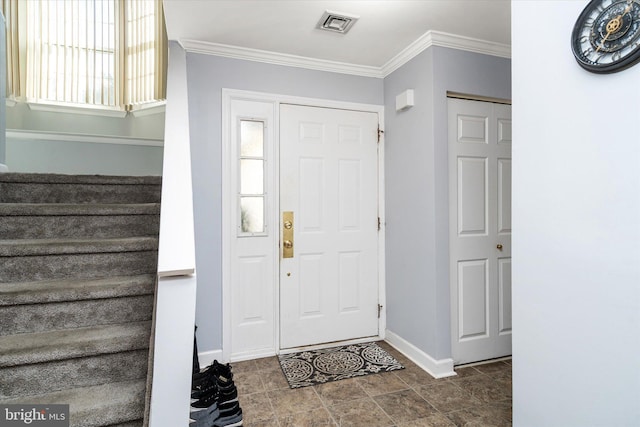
{"x":480,"y":229}
{"x":329,"y":184}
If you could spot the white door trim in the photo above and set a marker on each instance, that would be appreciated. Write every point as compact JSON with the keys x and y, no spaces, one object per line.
{"x":228,"y":95}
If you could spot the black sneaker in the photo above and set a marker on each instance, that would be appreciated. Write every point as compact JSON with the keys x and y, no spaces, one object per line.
{"x":206,"y":400}
{"x":204,"y":388}
{"x":207,"y":383}
{"x":227,"y":394}
{"x":211,"y":386}
{"x":224,"y":394}
{"x":215,"y":369}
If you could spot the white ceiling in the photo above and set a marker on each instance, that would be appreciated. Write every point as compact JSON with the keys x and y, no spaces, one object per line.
{"x":384,"y":30}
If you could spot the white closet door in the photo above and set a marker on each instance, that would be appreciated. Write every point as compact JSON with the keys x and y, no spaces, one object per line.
{"x":480,"y":229}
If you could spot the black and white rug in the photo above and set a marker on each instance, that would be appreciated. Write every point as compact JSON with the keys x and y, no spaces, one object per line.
{"x":312,"y":367}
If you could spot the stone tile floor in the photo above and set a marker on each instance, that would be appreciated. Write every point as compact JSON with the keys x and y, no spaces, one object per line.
{"x":477,"y":396}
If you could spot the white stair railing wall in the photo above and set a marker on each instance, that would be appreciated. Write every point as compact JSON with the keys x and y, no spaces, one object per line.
{"x":176,"y":292}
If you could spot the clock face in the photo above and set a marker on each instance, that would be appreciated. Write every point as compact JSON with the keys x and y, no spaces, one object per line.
{"x":606,"y":36}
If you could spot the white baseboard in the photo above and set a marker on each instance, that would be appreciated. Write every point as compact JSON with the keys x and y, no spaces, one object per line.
{"x":3,"y":168}
{"x":437,"y":368}
{"x":252,"y":354}
{"x":205,"y":358}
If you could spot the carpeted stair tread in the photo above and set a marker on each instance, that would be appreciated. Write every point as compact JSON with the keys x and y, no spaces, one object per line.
{"x":22,"y":319}
{"x":49,"y":267}
{"x":107,"y":404}
{"x":73,"y":209}
{"x":52,"y":188}
{"x":66,"y":344}
{"x":52,"y":178}
{"x":31,"y":247}
{"x":48,"y":377}
{"x":47,"y":291}
{"x":76,"y":221}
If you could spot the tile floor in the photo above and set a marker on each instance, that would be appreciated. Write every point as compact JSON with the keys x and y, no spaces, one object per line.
{"x":477,"y":396}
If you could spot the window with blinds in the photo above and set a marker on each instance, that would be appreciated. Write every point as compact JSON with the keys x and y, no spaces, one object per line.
{"x":104,"y":53}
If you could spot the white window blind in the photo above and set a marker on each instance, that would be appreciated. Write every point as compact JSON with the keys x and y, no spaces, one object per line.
{"x":106,"y":53}
{"x":145,"y":44}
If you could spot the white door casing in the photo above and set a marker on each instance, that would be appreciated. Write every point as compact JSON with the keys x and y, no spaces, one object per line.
{"x":250,"y":296}
{"x":329,"y":180}
{"x":480,"y":229}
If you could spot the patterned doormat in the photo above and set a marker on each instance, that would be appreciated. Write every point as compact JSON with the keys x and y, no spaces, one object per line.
{"x":312,"y":367}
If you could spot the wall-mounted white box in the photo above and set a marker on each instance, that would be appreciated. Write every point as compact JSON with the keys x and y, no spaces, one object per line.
{"x":404,"y":100}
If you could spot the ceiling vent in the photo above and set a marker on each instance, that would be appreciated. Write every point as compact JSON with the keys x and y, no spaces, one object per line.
{"x":336,"y":22}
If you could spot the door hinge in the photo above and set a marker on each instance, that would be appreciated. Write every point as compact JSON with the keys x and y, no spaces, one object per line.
{"x":380,"y":133}
{"x":379,"y":224}
{"x":379,"y":310}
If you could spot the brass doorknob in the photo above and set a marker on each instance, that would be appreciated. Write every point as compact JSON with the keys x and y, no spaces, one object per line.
{"x":288,"y":244}
{"x":288,"y":225}
{"x":499,"y":246}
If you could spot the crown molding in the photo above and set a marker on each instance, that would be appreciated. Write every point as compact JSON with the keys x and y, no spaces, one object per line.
{"x":470,"y":44}
{"x":430,"y":38}
{"x":407,"y":54}
{"x":236,"y":52}
{"x":451,"y":41}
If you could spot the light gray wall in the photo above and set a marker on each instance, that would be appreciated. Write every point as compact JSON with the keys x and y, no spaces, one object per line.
{"x":576,"y":216}
{"x":64,"y":157}
{"x":42,"y":156}
{"x":409,"y":194}
{"x":417,"y":202}
{"x":207,"y":76}
{"x":21,"y":117}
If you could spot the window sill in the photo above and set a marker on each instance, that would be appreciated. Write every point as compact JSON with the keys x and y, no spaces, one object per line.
{"x":138,"y":111}
{"x":148,"y":109}
{"x":31,"y":135}
{"x":90,"y":111}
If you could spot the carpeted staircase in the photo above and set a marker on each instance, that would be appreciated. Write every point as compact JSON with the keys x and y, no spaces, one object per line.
{"x":78,"y":261}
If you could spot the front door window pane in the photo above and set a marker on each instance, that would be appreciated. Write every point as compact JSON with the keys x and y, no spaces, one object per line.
{"x":252,"y":214}
{"x":251,"y":138}
{"x":252,"y":176}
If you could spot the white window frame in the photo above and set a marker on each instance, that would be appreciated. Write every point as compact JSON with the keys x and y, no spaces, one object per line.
{"x":121,"y":110}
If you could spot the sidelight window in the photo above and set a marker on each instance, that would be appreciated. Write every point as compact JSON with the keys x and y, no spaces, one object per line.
{"x":252,"y":177}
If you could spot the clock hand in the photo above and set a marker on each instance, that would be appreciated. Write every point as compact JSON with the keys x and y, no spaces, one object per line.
{"x":628,"y":8}
{"x":604,"y":39}
{"x":614,"y":25}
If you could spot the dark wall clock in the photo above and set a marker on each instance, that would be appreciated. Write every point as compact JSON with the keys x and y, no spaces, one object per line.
{"x":606,"y":36}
